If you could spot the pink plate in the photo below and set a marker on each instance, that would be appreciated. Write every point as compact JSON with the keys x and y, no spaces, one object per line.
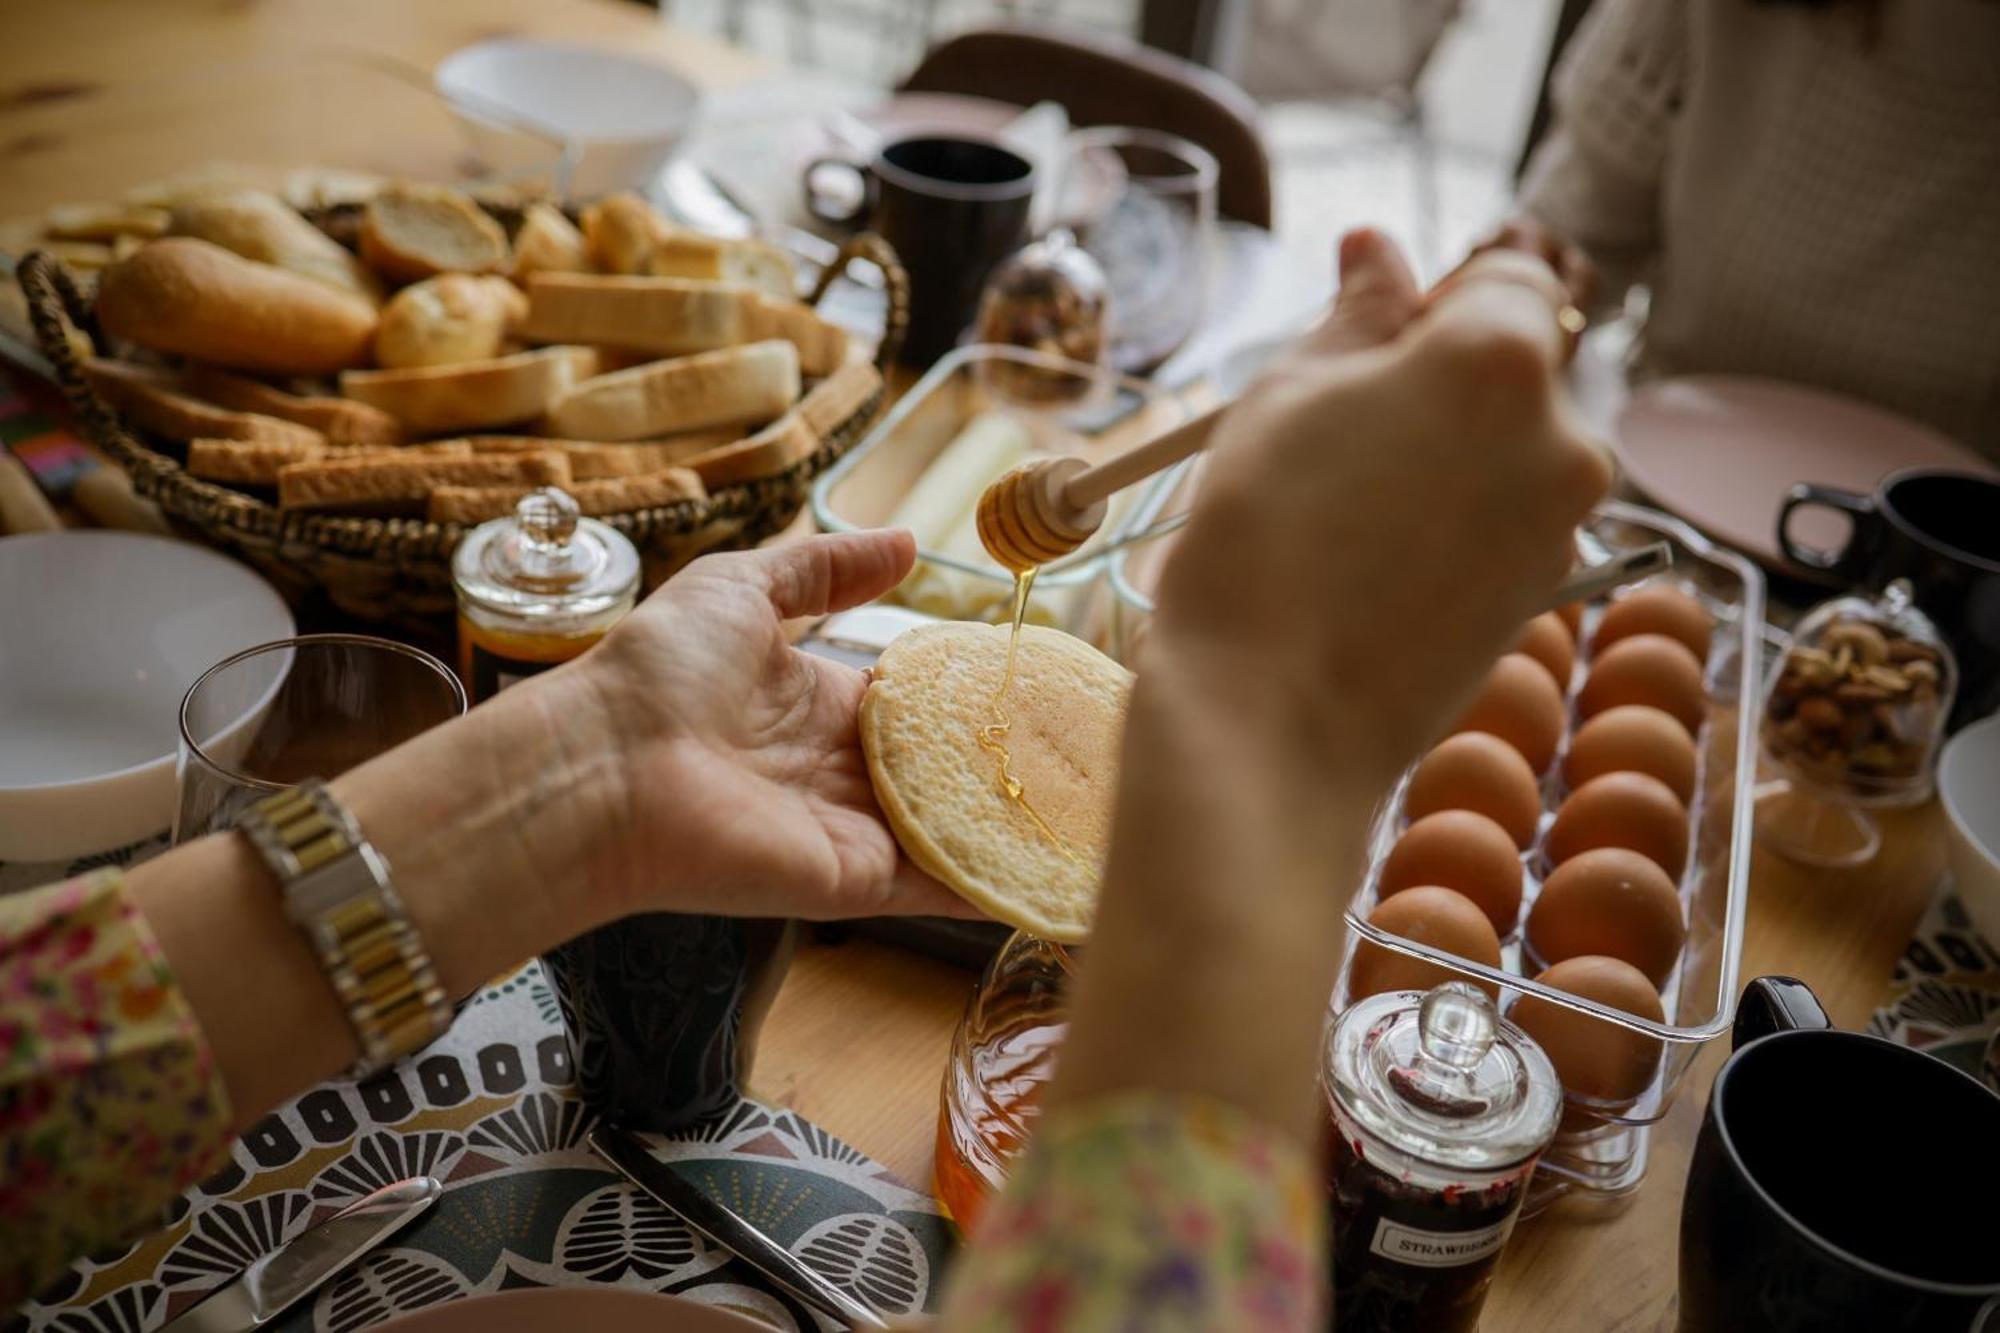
{"x":570,"y":1309}
{"x":1721,"y":451}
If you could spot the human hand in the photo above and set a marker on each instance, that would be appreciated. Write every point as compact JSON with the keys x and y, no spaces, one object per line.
{"x":1529,"y":237}
{"x":745,"y":789}
{"x":1380,"y":514}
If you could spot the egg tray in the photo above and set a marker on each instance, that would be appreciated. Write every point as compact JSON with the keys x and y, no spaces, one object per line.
{"x":1609,"y":1156}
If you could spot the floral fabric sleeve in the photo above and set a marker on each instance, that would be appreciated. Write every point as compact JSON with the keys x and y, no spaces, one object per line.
{"x":1145,"y":1212}
{"x":110,"y":1103}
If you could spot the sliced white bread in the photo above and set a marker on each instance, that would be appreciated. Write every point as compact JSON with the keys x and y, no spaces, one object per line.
{"x":473,"y":395}
{"x":736,"y":385}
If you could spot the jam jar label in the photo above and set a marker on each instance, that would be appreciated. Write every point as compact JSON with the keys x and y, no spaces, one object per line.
{"x":1437,"y":1249}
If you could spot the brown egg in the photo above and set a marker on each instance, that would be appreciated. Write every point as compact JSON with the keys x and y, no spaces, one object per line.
{"x":1482,"y":773}
{"x":1609,"y":901}
{"x":1648,"y":669}
{"x":1550,"y":642}
{"x":1429,"y":915}
{"x":1595,"y":1058}
{"x":1629,"y":810}
{"x":1571,"y":614}
{"x":1522,"y":706}
{"x":1633,"y":738}
{"x":1462,"y":851}
{"x":1657,"y":608}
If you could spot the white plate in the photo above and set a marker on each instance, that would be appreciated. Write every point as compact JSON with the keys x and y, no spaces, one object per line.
{"x":622,"y":116}
{"x":1969,"y":788}
{"x":101,"y":633}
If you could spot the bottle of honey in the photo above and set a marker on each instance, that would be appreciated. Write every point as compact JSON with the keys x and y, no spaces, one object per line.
{"x":536,"y":589}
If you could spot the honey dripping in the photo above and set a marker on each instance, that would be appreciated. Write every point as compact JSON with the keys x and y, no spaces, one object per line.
{"x":993,"y":736}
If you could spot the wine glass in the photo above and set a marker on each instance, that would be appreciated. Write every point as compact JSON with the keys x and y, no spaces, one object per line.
{"x":1154,"y":236}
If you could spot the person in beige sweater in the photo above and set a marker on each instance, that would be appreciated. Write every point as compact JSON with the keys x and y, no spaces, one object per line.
{"x":1810,"y":188}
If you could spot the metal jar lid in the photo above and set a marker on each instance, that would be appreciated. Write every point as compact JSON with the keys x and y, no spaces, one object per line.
{"x":1443,"y":1078}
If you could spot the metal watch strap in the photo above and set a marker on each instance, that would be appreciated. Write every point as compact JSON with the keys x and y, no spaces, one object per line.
{"x":337,"y":889}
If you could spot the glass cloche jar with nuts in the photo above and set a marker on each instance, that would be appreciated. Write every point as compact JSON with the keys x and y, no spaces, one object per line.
{"x":1852,"y":717}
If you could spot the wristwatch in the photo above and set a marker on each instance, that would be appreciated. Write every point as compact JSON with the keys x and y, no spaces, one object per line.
{"x":338,"y":891}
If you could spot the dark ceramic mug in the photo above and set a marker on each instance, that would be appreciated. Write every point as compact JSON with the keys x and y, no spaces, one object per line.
{"x":1840,"y":1182}
{"x":1940,"y":530}
{"x":952,"y":207}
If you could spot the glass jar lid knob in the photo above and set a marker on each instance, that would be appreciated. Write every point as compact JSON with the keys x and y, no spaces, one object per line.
{"x":1456,"y":1027}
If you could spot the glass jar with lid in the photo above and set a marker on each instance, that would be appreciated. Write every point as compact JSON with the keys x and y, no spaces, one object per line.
{"x":1438,"y":1110}
{"x":536,"y":589}
{"x":1852,"y":717}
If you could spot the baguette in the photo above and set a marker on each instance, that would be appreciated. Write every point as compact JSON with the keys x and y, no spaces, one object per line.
{"x":674,"y":317}
{"x":779,"y":446}
{"x":151,"y":398}
{"x":341,"y":420}
{"x":411,"y":232}
{"x":839,"y":396}
{"x":737,"y":385}
{"x":451,"y":318}
{"x":399,"y":482}
{"x":263,"y":227}
{"x":620,"y":232}
{"x":258,"y":463}
{"x":548,"y":242}
{"x":473,"y":395}
{"x":754,"y":264}
{"x":593,"y":460}
{"x":611,"y":495}
{"x":666,"y":316}
{"x":197,"y":299}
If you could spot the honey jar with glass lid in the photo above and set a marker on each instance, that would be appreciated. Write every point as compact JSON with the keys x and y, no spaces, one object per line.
{"x":536,"y":589}
{"x":1438,"y":1111}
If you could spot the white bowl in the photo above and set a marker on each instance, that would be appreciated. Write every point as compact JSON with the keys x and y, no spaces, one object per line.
{"x":1969,"y":787}
{"x":101,"y":633}
{"x":522,"y":100}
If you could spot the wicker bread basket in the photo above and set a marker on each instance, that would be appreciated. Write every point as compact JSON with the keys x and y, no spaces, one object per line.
{"x":398,"y":570}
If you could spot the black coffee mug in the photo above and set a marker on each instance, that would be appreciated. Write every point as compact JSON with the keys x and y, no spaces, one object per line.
{"x":1840,"y":1182}
{"x":1941,"y":531}
{"x":662,"y":1012}
{"x":952,"y":207}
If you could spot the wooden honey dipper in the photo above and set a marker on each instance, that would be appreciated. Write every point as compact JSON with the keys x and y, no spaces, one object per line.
{"x":1046,"y":508}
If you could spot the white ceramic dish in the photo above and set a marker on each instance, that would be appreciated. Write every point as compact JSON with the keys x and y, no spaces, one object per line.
{"x":100,"y":635}
{"x":1969,"y":787}
{"x":618,"y":117}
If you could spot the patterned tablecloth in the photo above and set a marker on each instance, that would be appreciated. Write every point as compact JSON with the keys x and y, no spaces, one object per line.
{"x":491,"y":1110}
{"x":1945,"y":997}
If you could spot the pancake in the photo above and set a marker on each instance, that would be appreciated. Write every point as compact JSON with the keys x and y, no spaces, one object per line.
{"x":920,"y":721}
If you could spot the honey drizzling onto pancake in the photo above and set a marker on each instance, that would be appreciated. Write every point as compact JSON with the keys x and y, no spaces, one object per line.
{"x":993,"y":736}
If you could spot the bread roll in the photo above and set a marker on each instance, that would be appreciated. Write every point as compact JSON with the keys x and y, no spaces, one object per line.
{"x":621,"y":230}
{"x":447,"y":319}
{"x":263,"y":227}
{"x":745,"y":385}
{"x":548,"y":242}
{"x":473,"y":395}
{"x":187,"y":296}
{"x":411,"y":232}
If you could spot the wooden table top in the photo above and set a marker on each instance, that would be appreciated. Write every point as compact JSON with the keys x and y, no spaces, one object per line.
{"x":95,"y":96}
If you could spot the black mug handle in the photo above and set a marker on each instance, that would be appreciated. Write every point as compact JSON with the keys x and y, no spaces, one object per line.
{"x":816,"y":203}
{"x":1851,"y":562}
{"x":1775,"y":1004}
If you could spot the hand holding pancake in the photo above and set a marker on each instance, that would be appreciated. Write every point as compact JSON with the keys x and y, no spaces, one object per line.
{"x":741,"y":769}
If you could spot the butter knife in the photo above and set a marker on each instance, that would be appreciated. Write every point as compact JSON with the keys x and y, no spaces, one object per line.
{"x":287,"y":1275}
{"x":628,"y":1153}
